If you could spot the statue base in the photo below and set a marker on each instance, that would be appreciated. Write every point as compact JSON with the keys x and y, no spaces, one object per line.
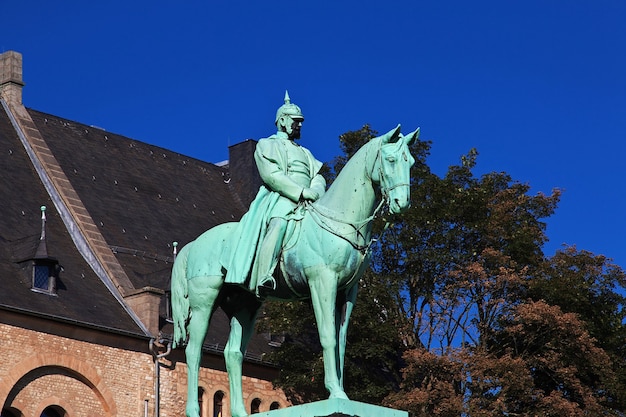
{"x":335,"y":407}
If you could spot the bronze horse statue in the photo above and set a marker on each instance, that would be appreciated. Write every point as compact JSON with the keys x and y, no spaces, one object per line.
{"x":323,"y":260}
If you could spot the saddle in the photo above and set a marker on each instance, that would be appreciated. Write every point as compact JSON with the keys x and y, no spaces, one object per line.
{"x":353,"y":234}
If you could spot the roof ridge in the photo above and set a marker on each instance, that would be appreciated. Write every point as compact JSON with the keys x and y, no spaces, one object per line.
{"x":81,"y":125}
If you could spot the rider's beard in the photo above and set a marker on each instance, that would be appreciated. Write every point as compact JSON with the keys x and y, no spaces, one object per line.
{"x":294,"y":134}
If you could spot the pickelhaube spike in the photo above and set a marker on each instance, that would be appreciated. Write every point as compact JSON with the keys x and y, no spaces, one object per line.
{"x":288,"y":109}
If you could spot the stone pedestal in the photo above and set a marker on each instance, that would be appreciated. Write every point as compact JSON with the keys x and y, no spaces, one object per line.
{"x":335,"y":408}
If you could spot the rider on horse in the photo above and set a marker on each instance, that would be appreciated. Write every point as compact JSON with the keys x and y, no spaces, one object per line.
{"x":290,"y":175}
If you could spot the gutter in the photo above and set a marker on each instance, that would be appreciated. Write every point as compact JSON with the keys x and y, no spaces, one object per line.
{"x":74,"y":322}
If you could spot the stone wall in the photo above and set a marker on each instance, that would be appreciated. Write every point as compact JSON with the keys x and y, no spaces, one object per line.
{"x":87,"y":380}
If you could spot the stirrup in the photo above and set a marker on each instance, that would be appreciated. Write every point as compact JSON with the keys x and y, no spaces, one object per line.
{"x":267,"y":284}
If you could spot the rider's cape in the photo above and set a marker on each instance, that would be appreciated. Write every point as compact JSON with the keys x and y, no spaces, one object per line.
{"x":239,"y":252}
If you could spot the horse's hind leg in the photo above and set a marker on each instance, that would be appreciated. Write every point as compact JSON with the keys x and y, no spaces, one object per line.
{"x":241,"y":329}
{"x":203,"y":292}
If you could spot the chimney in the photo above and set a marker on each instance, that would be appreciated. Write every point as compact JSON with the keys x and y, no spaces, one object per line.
{"x":11,"y":77}
{"x":244,"y":174}
{"x":145,"y":302}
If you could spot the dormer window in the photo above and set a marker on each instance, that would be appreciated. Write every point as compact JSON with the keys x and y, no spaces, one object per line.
{"x":41,"y":277}
{"x":44,"y":270}
{"x":44,"y":277}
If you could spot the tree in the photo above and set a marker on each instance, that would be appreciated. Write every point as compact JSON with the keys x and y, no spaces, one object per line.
{"x":544,"y":363}
{"x":570,"y":373}
{"x":461,"y":312}
{"x":593,"y":288}
{"x":463,"y":246}
{"x":430,"y":385}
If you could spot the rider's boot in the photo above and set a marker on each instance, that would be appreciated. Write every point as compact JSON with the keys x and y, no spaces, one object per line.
{"x":268,"y":256}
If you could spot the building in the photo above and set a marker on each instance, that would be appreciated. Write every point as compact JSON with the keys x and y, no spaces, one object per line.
{"x":86,"y":247}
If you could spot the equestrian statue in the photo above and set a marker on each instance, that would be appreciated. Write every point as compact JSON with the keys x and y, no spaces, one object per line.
{"x":297,"y":241}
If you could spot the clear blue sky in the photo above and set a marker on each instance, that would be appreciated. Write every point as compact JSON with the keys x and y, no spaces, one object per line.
{"x":537,"y":86}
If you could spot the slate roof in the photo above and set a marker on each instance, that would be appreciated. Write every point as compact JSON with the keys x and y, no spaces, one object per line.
{"x":82,"y":297}
{"x":141,"y":197}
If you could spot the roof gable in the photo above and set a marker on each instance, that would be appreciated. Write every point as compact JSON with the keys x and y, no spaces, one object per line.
{"x":82,"y":297}
{"x":140,"y":197}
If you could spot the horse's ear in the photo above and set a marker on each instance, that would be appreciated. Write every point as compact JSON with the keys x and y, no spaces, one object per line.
{"x":392,"y":136}
{"x":412,"y":137}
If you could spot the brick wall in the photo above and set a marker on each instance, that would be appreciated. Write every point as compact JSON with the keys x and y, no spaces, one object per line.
{"x":92,"y":380}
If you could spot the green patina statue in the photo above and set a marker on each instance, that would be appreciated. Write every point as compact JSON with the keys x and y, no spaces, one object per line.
{"x":296,"y":242}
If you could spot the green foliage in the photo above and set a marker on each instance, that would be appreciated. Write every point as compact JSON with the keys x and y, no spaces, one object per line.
{"x":583,"y":283}
{"x":374,"y":347}
{"x":457,"y":225}
{"x":300,"y":354}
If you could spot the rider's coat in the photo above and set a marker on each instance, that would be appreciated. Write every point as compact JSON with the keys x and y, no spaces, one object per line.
{"x":286,"y":169}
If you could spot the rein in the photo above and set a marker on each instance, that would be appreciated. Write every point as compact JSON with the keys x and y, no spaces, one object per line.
{"x":354,"y":228}
{"x":329,"y":221}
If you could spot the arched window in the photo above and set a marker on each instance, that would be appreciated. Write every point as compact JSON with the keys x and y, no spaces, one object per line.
{"x":10,"y":412}
{"x":255,"y":405}
{"x":201,"y":402}
{"x":274,"y":405}
{"x":54,"y":411}
{"x":217,"y":404}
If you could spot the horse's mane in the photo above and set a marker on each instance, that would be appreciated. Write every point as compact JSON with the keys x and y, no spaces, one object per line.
{"x":360,"y":154}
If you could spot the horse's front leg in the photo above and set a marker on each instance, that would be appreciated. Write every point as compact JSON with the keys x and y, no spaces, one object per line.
{"x":323,"y":285}
{"x":203,"y":292}
{"x":241,"y":329}
{"x":345,"y":304}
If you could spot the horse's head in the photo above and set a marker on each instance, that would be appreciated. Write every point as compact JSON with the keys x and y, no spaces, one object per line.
{"x":394,"y":168}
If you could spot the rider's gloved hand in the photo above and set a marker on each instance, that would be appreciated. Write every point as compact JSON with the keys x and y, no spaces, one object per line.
{"x":310,"y":194}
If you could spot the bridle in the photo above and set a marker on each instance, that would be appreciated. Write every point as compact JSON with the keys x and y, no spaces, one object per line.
{"x":382,"y":179}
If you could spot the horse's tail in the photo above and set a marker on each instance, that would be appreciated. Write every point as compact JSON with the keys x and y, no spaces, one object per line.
{"x":181,"y":312}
